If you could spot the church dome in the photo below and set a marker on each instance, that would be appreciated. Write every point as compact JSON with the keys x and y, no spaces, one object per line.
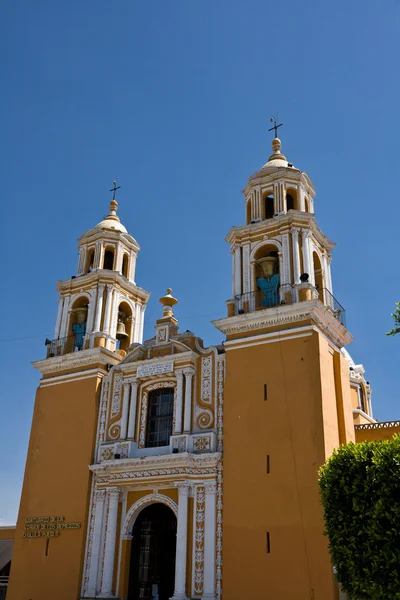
{"x":111,"y":224}
{"x":277,"y":159}
{"x":112,"y":221}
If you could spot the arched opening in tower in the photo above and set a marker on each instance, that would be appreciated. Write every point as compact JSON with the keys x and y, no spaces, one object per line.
{"x":319,"y":276}
{"x":269,"y":206}
{"x":125,"y":265}
{"x":77,"y":324}
{"x":89,"y":261}
{"x":108,"y":262}
{"x":267,"y":277}
{"x":124,"y":326}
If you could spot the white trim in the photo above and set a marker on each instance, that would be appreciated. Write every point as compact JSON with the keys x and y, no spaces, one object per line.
{"x":360,"y":412}
{"x":140,"y":505}
{"x":277,"y":337}
{"x":72,"y":377}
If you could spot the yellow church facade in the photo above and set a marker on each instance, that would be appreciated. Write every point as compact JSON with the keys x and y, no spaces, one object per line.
{"x":161,"y":469}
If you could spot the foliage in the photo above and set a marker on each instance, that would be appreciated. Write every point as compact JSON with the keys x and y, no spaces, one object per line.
{"x":360,"y":493}
{"x":396,"y":318}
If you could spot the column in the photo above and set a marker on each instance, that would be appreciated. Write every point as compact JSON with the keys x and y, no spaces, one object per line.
{"x":233,"y":273}
{"x":99,"y":307}
{"x":300,"y":193}
{"x":59,"y":315}
{"x":296,"y":255}
{"x":97,"y":256}
{"x":181,"y":542}
{"x":246,"y":268}
{"x":179,"y":402}
{"x":238,"y":271}
{"x":142,"y":310}
{"x":64,"y":320}
{"x":306,"y":252}
{"x":99,"y":497}
{"x":187,"y":422}
{"x":114,"y":313}
{"x":132,"y":410}
{"x":125,"y":409}
{"x":111,"y":535}
{"x":92,"y":306}
{"x":132,"y":267}
{"x":210,"y":512}
{"x":107,"y":312}
{"x":82,"y":260}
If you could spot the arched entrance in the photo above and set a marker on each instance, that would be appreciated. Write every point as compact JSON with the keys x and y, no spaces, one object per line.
{"x":153,"y":554}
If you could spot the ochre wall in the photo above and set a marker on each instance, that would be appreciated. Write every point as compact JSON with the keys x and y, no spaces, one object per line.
{"x":383,"y":433}
{"x":56,"y":483}
{"x":7,"y":533}
{"x":298,"y":426}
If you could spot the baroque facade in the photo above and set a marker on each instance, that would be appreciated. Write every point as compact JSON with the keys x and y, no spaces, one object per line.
{"x":165,"y":469}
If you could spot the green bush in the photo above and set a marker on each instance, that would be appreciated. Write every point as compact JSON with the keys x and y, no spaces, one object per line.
{"x":360,"y":493}
{"x":396,"y":319}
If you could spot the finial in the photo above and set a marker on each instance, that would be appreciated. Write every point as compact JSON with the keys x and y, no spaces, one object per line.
{"x":113,"y":204}
{"x":276,"y":142}
{"x":168,"y":302}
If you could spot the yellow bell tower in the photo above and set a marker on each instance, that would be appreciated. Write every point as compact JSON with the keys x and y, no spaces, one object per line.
{"x":287,"y":400}
{"x":100,"y":314}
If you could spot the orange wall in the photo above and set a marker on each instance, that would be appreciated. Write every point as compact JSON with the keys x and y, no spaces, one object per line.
{"x":56,"y":483}
{"x":7,"y":533}
{"x":298,"y":427}
{"x":384,"y":433}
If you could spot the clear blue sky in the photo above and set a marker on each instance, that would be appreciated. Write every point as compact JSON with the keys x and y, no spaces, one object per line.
{"x":174,"y":98}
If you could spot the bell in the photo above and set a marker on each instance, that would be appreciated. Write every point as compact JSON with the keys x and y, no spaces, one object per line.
{"x":268,"y":265}
{"x":121,"y":333}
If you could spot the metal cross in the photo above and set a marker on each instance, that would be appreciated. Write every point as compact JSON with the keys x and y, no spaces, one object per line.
{"x":275,"y":126}
{"x":115,"y":188}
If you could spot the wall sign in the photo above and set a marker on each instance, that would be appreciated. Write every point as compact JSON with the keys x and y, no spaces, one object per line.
{"x":157,"y":369}
{"x":38,"y":527}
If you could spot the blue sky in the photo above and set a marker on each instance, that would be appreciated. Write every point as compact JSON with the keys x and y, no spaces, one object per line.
{"x":174,"y":97}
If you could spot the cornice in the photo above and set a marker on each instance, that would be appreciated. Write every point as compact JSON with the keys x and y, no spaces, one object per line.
{"x":312,"y":310}
{"x":94,"y":234}
{"x":190,"y":355}
{"x":101,"y":276}
{"x":278,"y":225}
{"x":75,"y":360}
{"x":156,"y":466}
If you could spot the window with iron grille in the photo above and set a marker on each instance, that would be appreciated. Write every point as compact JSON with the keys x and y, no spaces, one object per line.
{"x":159,"y":417}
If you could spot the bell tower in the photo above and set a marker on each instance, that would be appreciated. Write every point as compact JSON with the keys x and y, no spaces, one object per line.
{"x":100,"y":315}
{"x":287,"y":400}
{"x":101,"y":305}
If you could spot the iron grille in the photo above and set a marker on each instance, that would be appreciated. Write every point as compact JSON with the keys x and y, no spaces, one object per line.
{"x":159,"y":417}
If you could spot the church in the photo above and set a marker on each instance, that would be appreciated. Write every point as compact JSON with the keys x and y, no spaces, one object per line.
{"x":163,"y":469}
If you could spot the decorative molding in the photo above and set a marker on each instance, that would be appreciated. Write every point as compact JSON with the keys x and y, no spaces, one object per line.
{"x":382,"y":425}
{"x":206,"y":378}
{"x":312,"y":310}
{"x":198,"y":541}
{"x":219,"y":548}
{"x":101,"y":428}
{"x":220,"y":402}
{"x":75,"y":360}
{"x":140,"y":504}
{"x":202,"y":444}
{"x":116,"y":397}
{"x":179,"y":442}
